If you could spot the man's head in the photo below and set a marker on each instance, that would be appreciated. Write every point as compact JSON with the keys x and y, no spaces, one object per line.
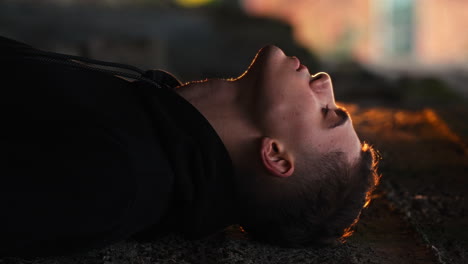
{"x":303,"y":174}
{"x":296,"y":112}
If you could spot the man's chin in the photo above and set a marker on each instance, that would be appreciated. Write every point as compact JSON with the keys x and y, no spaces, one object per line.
{"x":271,"y":49}
{"x":261,"y":60}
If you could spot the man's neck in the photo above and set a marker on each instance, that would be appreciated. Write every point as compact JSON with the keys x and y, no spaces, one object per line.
{"x":210,"y":95}
{"x":224,"y":105}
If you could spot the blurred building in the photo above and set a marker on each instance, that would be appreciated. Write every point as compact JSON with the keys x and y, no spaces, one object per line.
{"x":398,"y":33}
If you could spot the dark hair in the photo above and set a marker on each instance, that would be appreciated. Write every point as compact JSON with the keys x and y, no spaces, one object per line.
{"x":319,"y":207}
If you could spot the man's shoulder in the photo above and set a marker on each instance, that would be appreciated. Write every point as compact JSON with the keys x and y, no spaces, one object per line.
{"x":165,"y":78}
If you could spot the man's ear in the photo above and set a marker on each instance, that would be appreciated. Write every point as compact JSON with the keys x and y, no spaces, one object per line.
{"x":276,"y":160}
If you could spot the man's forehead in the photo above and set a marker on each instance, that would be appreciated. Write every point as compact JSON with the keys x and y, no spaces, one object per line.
{"x":353,"y":150}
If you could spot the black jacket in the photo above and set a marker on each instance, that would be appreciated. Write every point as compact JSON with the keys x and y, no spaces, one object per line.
{"x":88,"y":158}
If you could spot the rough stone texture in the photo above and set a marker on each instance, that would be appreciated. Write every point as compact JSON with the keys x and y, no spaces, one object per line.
{"x":425,"y":165}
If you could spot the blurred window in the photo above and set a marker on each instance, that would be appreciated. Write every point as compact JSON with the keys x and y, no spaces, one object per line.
{"x":396,"y":27}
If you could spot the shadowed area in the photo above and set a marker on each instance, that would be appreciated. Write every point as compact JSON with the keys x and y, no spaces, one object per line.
{"x":417,"y":215}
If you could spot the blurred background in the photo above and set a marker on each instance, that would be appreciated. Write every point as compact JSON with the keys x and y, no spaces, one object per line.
{"x":399,"y":66}
{"x":195,"y":39}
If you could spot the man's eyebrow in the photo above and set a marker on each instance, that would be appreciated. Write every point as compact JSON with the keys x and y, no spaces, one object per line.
{"x":344,"y":116}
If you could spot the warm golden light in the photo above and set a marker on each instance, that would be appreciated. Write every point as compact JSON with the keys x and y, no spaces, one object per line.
{"x":241,"y":229}
{"x":406,"y":125}
{"x":375,"y":178}
{"x":367,"y":203}
{"x":193,"y":3}
{"x":433,"y":118}
{"x":349,"y":231}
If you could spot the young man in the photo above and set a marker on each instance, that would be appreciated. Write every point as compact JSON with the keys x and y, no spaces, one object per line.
{"x":90,"y":157}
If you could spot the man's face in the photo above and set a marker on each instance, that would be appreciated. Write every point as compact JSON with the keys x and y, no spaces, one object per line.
{"x":299,"y":109}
